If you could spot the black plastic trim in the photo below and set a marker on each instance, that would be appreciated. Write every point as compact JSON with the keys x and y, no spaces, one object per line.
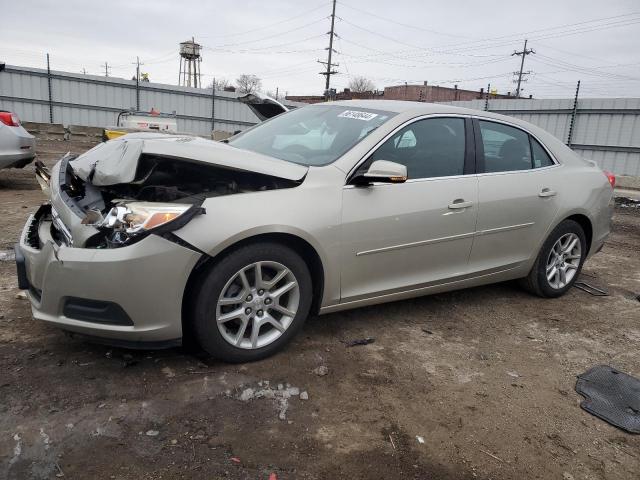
{"x":96,"y":311}
{"x":470,"y":147}
{"x":21,"y":267}
{"x":130,"y":344}
{"x":479,"y":146}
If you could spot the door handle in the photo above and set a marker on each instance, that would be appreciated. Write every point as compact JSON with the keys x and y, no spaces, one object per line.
{"x":547,"y":192}
{"x":459,"y":203}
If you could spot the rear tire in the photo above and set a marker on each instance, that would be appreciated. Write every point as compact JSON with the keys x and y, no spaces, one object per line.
{"x":559,"y":262}
{"x":238,"y":316}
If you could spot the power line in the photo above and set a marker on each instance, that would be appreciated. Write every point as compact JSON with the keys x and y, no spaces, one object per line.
{"x":400,"y":23}
{"x":464,"y":47}
{"x":266,"y":27}
{"x":270,"y":36}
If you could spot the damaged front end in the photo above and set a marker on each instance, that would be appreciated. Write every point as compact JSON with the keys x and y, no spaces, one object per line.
{"x":126,"y":189}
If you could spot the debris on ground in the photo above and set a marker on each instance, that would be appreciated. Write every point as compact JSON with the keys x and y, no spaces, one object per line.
{"x":21,"y":295}
{"x":304,"y":396}
{"x":281,"y":395}
{"x":128,"y":360}
{"x":321,"y":371}
{"x":359,"y":341}
{"x":611,"y":395}
{"x":491,"y":455}
{"x":152,"y":433}
{"x":420,"y":439}
{"x":235,"y":459}
{"x":626,"y":202}
{"x":8,"y":256}
{"x":426,"y":330}
{"x":590,"y":289}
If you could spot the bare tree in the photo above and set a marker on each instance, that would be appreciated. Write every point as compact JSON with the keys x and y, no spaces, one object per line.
{"x":361,"y":84}
{"x":220,"y":83}
{"x":248,"y":83}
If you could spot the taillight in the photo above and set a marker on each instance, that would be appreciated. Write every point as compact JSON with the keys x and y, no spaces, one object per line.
{"x":9,"y":119}
{"x":611,"y":177}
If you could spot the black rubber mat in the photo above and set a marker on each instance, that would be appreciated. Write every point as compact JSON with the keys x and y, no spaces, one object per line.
{"x":612,"y":396}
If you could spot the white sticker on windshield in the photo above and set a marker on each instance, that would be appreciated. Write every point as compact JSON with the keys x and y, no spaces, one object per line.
{"x":357,"y":115}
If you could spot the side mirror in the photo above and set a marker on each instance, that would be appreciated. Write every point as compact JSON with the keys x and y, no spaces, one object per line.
{"x":382,"y":171}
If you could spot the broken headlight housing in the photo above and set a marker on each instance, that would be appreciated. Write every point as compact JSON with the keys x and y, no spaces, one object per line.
{"x":128,"y":222}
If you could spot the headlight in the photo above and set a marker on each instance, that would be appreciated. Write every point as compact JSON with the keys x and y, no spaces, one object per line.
{"x":137,"y":217}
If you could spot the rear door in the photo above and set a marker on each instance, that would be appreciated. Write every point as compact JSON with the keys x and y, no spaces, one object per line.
{"x":518,"y":187}
{"x":397,"y":237}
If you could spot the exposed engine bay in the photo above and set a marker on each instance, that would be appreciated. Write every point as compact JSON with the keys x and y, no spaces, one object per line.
{"x":161,"y":179}
{"x":163,"y":196}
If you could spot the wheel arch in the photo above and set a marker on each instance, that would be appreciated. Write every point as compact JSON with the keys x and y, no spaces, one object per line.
{"x":587,"y":227}
{"x":308,"y":253}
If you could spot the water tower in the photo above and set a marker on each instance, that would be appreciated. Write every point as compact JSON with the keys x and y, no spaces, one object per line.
{"x":190,"y":59}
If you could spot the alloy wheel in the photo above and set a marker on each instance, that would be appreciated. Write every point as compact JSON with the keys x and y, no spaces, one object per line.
{"x":564,"y":260}
{"x":257,"y":305}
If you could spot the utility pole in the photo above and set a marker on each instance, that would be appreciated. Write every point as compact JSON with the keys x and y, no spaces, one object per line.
{"x":106,"y":69}
{"x":138,"y":82}
{"x":524,"y":53}
{"x":328,"y":63}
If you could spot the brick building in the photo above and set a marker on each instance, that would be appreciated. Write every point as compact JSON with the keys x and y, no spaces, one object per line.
{"x":344,"y":95}
{"x":415,"y":93}
{"x":431,"y":93}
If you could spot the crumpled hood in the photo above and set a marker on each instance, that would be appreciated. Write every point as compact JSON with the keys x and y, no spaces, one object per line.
{"x":116,"y":161}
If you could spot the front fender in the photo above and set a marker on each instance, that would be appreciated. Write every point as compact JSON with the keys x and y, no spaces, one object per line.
{"x":310,"y":211}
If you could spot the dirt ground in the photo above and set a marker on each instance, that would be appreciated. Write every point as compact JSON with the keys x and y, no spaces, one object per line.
{"x":485,"y":377}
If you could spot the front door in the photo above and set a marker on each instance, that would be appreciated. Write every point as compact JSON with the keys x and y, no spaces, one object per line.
{"x":397,"y":237}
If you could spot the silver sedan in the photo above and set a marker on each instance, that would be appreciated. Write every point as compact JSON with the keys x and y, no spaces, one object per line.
{"x":150,"y":239}
{"x":17,"y":146}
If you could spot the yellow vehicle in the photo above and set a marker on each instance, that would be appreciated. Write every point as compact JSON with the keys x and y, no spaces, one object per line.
{"x":135,"y":121}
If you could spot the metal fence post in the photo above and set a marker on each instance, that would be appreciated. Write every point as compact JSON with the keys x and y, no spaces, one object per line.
{"x":138,"y":84}
{"x":486,"y":98}
{"x":50,"y":93}
{"x":573,"y":116}
{"x":213,"y":107}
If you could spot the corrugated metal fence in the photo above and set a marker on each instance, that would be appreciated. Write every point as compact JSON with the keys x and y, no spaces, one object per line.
{"x":89,"y":100}
{"x":606,"y":130}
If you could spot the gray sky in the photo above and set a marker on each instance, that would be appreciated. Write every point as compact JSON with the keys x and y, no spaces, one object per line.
{"x":465,"y":42}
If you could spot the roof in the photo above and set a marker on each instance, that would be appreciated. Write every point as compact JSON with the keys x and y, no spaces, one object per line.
{"x":425,"y":108}
{"x":401,"y":106}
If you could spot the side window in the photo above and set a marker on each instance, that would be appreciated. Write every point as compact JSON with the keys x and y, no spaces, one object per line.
{"x":505,"y":148}
{"x":540,"y":156}
{"x":433,"y":147}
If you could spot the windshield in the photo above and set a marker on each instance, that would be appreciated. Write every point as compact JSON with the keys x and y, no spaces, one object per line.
{"x":314,"y":135}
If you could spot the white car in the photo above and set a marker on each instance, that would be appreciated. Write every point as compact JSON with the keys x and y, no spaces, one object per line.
{"x":17,"y":146}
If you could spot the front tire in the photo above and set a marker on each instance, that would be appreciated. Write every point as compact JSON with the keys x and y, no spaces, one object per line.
{"x":252,"y":302}
{"x":559,"y":262}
